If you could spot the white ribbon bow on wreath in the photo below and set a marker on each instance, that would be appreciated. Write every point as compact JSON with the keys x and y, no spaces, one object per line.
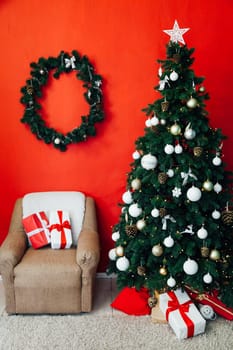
{"x":69,"y":62}
{"x":165,"y":219}
{"x":185,"y":176}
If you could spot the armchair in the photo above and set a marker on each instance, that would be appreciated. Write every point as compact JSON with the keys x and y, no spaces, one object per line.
{"x":45,"y":280}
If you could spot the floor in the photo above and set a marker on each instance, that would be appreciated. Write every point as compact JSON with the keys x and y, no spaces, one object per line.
{"x":105,"y":293}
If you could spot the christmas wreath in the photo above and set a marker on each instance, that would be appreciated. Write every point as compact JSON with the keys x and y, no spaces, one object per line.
{"x":32,"y":91}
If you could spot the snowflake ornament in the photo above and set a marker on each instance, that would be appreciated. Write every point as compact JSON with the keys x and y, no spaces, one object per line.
{"x":176,"y":33}
{"x":176,"y":192}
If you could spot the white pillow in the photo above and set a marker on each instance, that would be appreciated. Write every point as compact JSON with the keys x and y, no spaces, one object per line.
{"x":73,"y":202}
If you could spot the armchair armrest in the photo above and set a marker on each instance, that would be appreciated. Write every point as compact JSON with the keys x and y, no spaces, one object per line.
{"x":88,"y":250}
{"x":88,"y":247}
{"x":15,"y":243}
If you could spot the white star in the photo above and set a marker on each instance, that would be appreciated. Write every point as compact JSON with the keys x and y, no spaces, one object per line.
{"x":176,"y":34}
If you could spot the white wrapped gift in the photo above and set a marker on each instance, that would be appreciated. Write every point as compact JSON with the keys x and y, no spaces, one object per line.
{"x":181,"y":314}
{"x":60,"y":229}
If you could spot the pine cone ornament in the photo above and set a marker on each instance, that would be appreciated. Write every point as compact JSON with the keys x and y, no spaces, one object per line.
{"x":197,"y":151}
{"x":131,"y":230}
{"x":152,"y":301}
{"x":29,"y":90}
{"x":205,"y":252}
{"x":162,"y":212}
{"x":176,"y":57}
{"x":141,"y":270}
{"x":227,"y":217}
{"x":162,"y":178}
{"x":164,"y":106}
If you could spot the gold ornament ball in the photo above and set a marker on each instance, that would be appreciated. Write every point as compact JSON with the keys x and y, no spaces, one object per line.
{"x":141,"y":224}
{"x":214,"y":254}
{"x":163,"y":271}
{"x":119,"y":251}
{"x":202,"y":89}
{"x":192,"y":103}
{"x":136,"y":184}
{"x":157,"y":250}
{"x":175,"y":129}
{"x":208,"y":185}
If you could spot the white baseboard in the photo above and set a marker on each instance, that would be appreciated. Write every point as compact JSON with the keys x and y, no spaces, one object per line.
{"x":104,"y":275}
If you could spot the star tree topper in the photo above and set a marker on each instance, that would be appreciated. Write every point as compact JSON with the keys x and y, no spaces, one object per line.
{"x":176,"y":34}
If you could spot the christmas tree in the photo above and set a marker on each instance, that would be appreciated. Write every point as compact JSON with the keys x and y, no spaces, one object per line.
{"x":175,"y":228}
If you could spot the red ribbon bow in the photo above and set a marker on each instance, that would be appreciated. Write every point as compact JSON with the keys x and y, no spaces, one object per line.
{"x":60,"y":227}
{"x":173,"y":305}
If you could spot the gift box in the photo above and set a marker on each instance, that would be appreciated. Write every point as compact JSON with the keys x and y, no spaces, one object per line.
{"x":36,"y":228}
{"x":212,"y":300}
{"x":181,"y":314}
{"x":60,"y":229}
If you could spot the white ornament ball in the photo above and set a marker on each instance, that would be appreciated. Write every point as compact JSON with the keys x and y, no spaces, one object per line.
{"x":115,"y":236}
{"x":149,"y":161}
{"x":127,"y":197}
{"x":202,"y":233}
{"x":207,"y":278}
{"x":155,"y":213}
{"x":174,"y":76}
{"x":136,"y":155}
{"x":217,"y":161}
{"x":122,"y":263}
{"x":171,"y":282}
{"x":154,"y":121}
{"x":169,"y":149}
{"x":178,"y":149}
{"x":135,"y":210}
{"x":170,"y":173}
{"x":112,"y":254}
{"x":148,"y":123}
{"x":168,"y":242}
{"x":190,"y":267}
{"x":57,"y":141}
{"x":194,"y":194}
{"x":190,"y":134}
{"x":163,"y":121}
{"x":175,"y":129}
{"x":140,"y":224}
{"x":136,"y":184}
{"x":192,"y":103}
{"x":216,"y":214}
{"x":217,"y":187}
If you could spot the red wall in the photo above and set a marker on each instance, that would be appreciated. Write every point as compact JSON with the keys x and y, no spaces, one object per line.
{"x":123,"y":39}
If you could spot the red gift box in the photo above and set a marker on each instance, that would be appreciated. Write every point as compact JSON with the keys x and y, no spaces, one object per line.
{"x":212,"y":300}
{"x":36,"y":227}
{"x":60,"y":229}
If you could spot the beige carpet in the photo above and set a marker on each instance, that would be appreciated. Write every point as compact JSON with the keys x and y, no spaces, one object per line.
{"x":93,"y":332}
